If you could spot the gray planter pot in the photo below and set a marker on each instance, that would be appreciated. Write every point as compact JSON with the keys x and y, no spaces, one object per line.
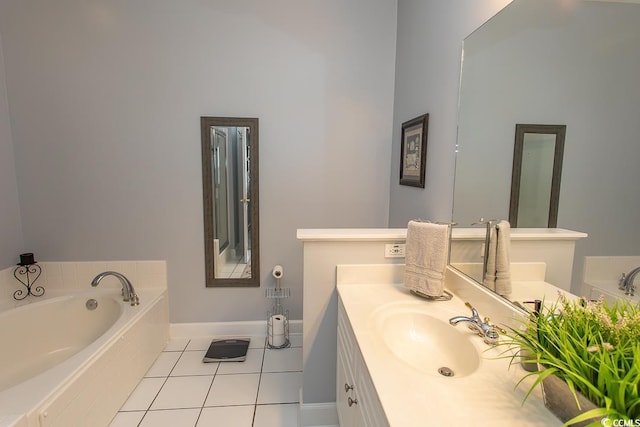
{"x":560,"y":401}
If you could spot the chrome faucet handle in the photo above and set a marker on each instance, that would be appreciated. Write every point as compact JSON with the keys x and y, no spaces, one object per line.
{"x":474,"y":312}
{"x":628,"y":286}
{"x":497,"y":328}
{"x":491,"y":337}
{"x":621,"y":282}
{"x":631,"y":290}
{"x":133,"y":299}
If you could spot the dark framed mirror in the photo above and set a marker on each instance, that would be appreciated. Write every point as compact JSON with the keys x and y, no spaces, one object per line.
{"x":535,"y":178}
{"x":230,"y":201}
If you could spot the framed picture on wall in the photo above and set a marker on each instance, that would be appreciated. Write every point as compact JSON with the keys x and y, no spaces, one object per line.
{"x":413,"y":151}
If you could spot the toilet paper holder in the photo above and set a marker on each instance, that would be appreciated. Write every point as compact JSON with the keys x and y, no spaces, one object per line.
{"x":278,"y":330}
{"x":277,"y":317}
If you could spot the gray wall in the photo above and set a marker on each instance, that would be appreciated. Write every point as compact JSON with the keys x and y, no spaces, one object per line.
{"x":428,"y":53}
{"x":11,"y":239}
{"x":105,"y":103}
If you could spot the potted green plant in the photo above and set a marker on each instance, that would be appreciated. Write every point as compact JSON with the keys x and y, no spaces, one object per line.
{"x":591,"y":346}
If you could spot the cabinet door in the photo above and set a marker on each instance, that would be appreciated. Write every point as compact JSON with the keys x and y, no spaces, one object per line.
{"x":344,"y":391}
{"x":370,"y":410}
{"x":345,"y":379}
{"x":356,"y":398}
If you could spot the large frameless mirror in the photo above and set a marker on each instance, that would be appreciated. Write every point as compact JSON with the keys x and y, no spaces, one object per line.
{"x":566,"y":62}
{"x":230,"y":199}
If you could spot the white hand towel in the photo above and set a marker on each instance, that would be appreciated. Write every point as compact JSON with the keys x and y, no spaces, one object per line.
{"x":426,"y":255}
{"x":503,"y":258}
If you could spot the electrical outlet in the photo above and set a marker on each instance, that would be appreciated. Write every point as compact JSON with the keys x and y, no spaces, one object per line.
{"x":394,"y":250}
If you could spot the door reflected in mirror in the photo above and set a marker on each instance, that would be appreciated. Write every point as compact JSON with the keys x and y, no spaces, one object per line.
{"x":230,"y":196}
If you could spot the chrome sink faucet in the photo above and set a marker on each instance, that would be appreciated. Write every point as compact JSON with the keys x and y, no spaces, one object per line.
{"x":487,"y":240}
{"x":489,"y":332}
{"x":626,"y":282}
{"x":128,"y":293}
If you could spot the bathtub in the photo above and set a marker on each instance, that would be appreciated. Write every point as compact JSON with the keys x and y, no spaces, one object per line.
{"x":65,"y":363}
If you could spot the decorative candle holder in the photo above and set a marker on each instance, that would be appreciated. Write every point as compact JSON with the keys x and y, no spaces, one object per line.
{"x":29,"y":268}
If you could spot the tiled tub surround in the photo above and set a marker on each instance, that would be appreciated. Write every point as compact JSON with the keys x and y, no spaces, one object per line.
{"x":90,"y":386}
{"x":180,"y":390}
{"x":63,"y":277}
{"x":410,"y":397}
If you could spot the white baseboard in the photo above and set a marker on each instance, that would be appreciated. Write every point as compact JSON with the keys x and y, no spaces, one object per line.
{"x":317,"y":414}
{"x":253,"y":327}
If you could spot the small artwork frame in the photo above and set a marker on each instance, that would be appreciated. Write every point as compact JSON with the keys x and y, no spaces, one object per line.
{"x":413,"y":151}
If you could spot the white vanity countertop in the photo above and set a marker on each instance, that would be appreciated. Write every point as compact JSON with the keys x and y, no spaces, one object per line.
{"x":488,"y":397}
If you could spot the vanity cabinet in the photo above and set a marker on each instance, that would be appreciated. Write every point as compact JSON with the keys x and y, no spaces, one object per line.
{"x":356,"y":398}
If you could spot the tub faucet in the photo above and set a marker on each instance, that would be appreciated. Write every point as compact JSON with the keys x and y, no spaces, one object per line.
{"x":490,"y":333}
{"x":128,"y":293}
{"x":626,"y":282}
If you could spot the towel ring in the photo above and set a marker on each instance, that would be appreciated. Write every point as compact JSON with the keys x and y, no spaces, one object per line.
{"x":451,"y":224}
{"x":446,"y":295}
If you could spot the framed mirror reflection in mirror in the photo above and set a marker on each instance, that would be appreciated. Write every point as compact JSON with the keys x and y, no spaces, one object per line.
{"x":230,"y":201}
{"x":535,"y":180}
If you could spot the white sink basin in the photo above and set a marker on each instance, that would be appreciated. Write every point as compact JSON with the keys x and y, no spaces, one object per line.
{"x":426,"y":343}
{"x":404,"y":340}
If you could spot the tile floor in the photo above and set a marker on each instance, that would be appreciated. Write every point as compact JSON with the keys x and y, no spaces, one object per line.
{"x":180,"y":390}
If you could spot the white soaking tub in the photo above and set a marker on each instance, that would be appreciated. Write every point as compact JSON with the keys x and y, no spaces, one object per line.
{"x":65,"y":364}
